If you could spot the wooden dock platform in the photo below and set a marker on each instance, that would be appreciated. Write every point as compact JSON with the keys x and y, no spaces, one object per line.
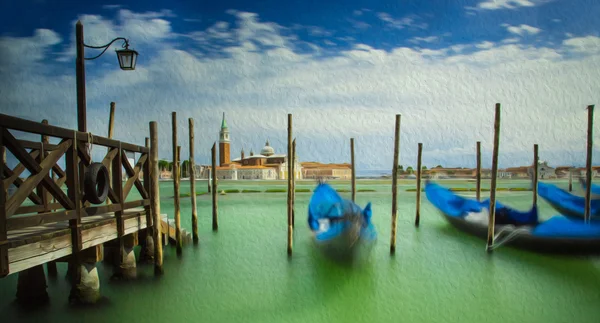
{"x":42,"y":223}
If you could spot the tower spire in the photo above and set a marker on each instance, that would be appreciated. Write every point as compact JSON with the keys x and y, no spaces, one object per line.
{"x":223,"y":123}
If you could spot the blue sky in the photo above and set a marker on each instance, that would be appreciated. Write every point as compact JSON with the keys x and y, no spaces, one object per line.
{"x":343,"y":68}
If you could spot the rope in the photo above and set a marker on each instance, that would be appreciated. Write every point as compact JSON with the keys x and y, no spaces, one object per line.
{"x":509,"y":237}
{"x":90,"y":144}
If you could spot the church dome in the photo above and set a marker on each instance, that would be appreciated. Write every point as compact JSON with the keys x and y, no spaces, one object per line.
{"x":267,"y":150}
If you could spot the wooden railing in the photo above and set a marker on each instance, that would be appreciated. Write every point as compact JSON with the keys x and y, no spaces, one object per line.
{"x":47,"y":178}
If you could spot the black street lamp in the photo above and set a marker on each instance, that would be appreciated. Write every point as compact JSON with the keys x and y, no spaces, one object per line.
{"x":127,"y":60}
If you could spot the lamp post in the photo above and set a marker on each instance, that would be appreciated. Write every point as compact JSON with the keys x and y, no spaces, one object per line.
{"x":127,"y":60}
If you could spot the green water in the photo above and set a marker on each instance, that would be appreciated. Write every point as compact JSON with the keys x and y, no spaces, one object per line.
{"x":242,"y":272}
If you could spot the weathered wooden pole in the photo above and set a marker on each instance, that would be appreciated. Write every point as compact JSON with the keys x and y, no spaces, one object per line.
{"x":289,"y":182}
{"x":418,"y":211}
{"x":155,"y":199}
{"x":588,"y":164}
{"x":352,"y":163}
{"x":178,"y":240}
{"x":395,"y":184}
{"x":293,"y":183}
{"x":111,"y":130}
{"x":51,"y":265}
{"x":570,"y":179}
{"x":478,"y":173}
{"x":193,"y":183}
{"x":175,"y":176}
{"x":492,"y":215}
{"x":535,"y":174}
{"x":215,"y":219}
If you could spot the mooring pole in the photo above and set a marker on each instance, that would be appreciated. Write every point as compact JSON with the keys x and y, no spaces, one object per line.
{"x":193,"y":183}
{"x":418,"y":210}
{"x":289,"y":182}
{"x":395,"y":184}
{"x":478,"y":174}
{"x":492,"y":215}
{"x":178,"y":240}
{"x":155,"y":199}
{"x":588,"y":163}
{"x":352,"y":163}
{"x":215,"y":219}
{"x":536,"y":159}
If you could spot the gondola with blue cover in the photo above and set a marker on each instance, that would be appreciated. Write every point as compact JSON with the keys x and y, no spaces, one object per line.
{"x":340,"y":227}
{"x":568,"y":204}
{"x":521,"y":229}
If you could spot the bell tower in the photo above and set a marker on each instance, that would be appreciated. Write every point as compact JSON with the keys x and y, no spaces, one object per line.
{"x":224,"y":154}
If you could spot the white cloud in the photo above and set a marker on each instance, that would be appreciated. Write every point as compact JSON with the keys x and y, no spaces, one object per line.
{"x":485,"y":45}
{"x":446,"y":96}
{"x":507,"y":4}
{"x":401,"y":23}
{"x":430,"y":39}
{"x":522,"y":29}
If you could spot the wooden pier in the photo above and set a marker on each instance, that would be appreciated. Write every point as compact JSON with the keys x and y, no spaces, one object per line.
{"x":41,"y":222}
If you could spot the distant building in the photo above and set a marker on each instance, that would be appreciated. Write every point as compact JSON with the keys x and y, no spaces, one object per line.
{"x":314,"y":170}
{"x":266,"y":166}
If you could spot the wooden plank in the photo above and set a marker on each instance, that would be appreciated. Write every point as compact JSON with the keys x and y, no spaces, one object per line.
{"x":41,"y":175}
{"x":148,"y":187}
{"x":4,"y":260}
{"x":95,"y":210}
{"x":36,"y":208}
{"x":133,"y":204}
{"x":18,"y":183}
{"x":83,"y":154}
{"x":33,"y":254}
{"x":20,"y":222}
{"x":10,"y":122}
{"x":40,"y":190}
{"x":134,"y":176}
{"x":27,"y":144}
{"x":109,"y":157}
{"x":17,"y":171}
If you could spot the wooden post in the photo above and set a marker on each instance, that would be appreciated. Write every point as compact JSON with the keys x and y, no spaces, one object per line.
{"x":175,"y":176}
{"x":111,"y":129}
{"x":418,"y":211}
{"x":478,"y":172}
{"x":353,"y":169}
{"x":492,"y":215}
{"x":155,"y":199}
{"x":588,"y":163}
{"x":571,"y":179}
{"x":289,"y":195}
{"x":51,"y":265}
{"x":193,"y":183}
{"x":535,"y":174}
{"x":215,"y":219}
{"x":177,"y":181}
{"x":395,"y":184}
{"x":3,"y":195}
{"x":293,"y":183}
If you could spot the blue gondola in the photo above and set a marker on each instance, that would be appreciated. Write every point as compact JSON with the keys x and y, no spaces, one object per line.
{"x":566,"y":203}
{"x":521,"y":229}
{"x":340,"y":227}
{"x":595,"y":190}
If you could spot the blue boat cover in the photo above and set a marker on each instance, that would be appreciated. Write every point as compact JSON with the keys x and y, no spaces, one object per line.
{"x":563,"y":227}
{"x":455,"y":205}
{"x":595,"y":188}
{"x":567,"y":203}
{"x":326,"y":203}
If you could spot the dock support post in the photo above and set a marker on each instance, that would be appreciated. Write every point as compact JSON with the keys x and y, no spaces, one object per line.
{"x":86,"y":289}
{"x":155,"y":199}
{"x":588,"y":163}
{"x":192,"y":164}
{"x":289,"y":186}
{"x":127,"y":268}
{"x":215,"y":219}
{"x":31,"y":286}
{"x":418,"y":210}
{"x":353,"y":170}
{"x":111,"y":130}
{"x":478,"y":173}
{"x":571,"y":179}
{"x":492,"y":215}
{"x":395,"y":184}
{"x":147,"y":239}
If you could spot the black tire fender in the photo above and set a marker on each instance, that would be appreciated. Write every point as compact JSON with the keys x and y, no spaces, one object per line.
{"x":96,"y":183}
